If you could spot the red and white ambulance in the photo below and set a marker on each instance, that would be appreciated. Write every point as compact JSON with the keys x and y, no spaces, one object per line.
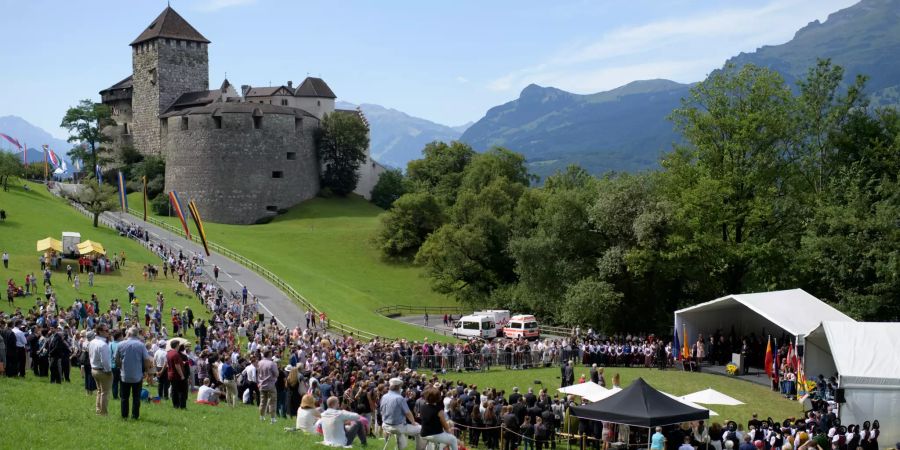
{"x":523,"y":325}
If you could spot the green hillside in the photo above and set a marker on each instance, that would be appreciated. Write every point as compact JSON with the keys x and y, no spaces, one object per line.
{"x":36,"y":214}
{"x":322,"y":248}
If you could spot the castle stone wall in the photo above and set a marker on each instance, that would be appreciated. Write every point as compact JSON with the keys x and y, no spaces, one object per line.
{"x":229,"y":171}
{"x":163,"y":69}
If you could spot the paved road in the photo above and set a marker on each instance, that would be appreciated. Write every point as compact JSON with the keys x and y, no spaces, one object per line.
{"x":232,"y":276}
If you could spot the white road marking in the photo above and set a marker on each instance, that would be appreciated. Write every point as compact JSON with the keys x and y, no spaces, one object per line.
{"x":270,"y":313}
{"x":226,"y":273}
{"x":239,"y":283}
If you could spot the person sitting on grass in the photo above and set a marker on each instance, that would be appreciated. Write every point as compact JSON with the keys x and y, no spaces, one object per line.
{"x":307,"y":414}
{"x":206,"y":395}
{"x":340,"y":428}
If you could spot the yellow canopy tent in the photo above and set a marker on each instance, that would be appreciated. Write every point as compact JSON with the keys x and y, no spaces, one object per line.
{"x":49,"y":243}
{"x":91,"y":248}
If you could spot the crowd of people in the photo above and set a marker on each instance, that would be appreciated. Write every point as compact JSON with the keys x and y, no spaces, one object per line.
{"x":346,"y":389}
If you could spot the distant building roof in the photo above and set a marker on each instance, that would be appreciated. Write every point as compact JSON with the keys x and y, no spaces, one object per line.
{"x":198,"y":98}
{"x":239,"y":108}
{"x":267,"y":91}
{"x":171,"y":25}
{"x":124,"y":84}
{"x":314,"y":87}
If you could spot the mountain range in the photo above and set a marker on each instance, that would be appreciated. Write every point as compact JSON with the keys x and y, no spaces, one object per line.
{"x":623,"y":129}
{"x":396,"y":137}
{"x":33,"y":137}
{"x":626,"y":129}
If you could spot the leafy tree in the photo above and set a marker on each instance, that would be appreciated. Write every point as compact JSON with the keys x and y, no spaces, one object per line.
{"x":85,"y":122}
{"x":592,"y":301}
{"x":10,"y":166}
{"x":729,"y":180}
{"x":342,"y":140}
{"x":391,"y":185}
{"x":413,"y":217}
{"x":97,"y":198}
{"x":440,"y":171}
{"x":822,"y":110}
{"x":467,"y":257}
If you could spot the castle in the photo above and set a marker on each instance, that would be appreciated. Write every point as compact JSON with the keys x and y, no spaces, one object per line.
{"x":241,"y":156}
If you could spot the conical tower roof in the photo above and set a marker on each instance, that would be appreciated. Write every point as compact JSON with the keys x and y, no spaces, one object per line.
{"x":170,"y":25}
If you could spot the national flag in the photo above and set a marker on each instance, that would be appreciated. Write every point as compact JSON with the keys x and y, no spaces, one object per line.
{"x":46,"y":169}
{"x":776,"y":362}
{"x":196,"y":215}
{"x":144,"y":179}
{"x":176,"y":206}
{"x":790,"y":357}
{"x":769,"y":357}
{"x":77,"y":164}
{"x":685,"y":348}
{"x":11,"y":140}
{"x":123,"y":195}
{"x":99,"y":174}
{"x":54,"y":159}
{"x":676,"y":346}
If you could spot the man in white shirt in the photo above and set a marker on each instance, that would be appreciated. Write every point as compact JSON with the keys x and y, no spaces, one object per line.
{"x":340,"y":428}
{"x":159,"y":360}
{"x":21,"y":349}
{"x":249,"y":382}
{"x":101,"y":367}
{"x":208,"y":395}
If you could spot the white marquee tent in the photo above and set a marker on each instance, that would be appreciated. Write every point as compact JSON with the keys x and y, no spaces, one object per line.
{"x":711,"y":397}
{"x":795,"y":311}
{"x":865,"y":356}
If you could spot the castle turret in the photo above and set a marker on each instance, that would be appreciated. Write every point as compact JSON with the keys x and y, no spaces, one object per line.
{"x":314,"y":96}
{"x":169,"y":58}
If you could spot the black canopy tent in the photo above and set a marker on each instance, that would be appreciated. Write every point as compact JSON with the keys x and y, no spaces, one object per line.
{"x":640,"y":405}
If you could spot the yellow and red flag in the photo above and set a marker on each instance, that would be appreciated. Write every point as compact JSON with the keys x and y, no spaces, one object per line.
{"x":196,"y":215}
{"x":685,"y":347}
{"x":770,"y":357}
{"x":176,"y":206}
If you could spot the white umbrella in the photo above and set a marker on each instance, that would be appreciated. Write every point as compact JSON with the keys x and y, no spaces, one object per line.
{"x":712,"y":397}
{"x":691,"y":404}
{"x":597,"y":396}
{"x":586,"y":390}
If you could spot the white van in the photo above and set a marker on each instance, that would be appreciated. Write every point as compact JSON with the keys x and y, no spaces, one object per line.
{"x":523,"y":325}
{"x":500,"y":316}
{"x":475,"y":327}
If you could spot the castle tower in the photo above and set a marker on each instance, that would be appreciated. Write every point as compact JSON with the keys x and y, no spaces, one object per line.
{"x":169,"y":58}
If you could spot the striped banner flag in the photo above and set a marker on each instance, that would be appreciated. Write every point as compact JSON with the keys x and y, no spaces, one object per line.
{"x":196,"y":215}
{"x":123,"y":195}
{"x":11,"y":140}
{"x":53,"y":158}
{"x":144,"y":179}
{"x":176,"y":206}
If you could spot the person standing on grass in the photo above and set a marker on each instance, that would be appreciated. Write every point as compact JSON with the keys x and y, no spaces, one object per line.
{"x":21,"y":348}
{"x":91,"y":279}
{"x":177,"y":375}
{"x":267,"y":375}
{"x":132,"y":357}
{"x":159,"y":361}
{"x":101,"y":367}
{"x":5,"y":260}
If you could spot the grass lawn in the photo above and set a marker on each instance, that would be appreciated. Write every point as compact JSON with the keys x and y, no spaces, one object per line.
{"x":323,"y":248}
{"x":37,"y":414}
{"x":757,"y":399}
{"x":36,"y":214}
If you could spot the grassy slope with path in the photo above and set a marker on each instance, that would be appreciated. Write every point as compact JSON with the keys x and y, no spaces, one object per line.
{"x":36,"y":214}
{"x":323,"y":248}
{"x":758,"y":399}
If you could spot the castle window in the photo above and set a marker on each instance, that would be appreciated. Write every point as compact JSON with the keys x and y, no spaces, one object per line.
{"x":152,"y":73}
{"x":257,"y":122}
{"x":298,"y":123}
{"x":184,"y":123}
{"x":126,"y":127}
{"x":163,"y":127}
{"x":284,"y":102}
{"x":272,"y":208}
{"x":291,"y":155}
{"x":277,"y":174}
{"x":318,"y":102}
{"x":218,"y":121}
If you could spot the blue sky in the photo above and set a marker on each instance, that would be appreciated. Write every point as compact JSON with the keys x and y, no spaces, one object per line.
{"x":446,"y":61}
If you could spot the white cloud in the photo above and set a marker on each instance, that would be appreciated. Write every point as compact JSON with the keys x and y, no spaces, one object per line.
{"x":683,"y":49}
{"x":461,"y":79}
{"x":215,"y":5}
